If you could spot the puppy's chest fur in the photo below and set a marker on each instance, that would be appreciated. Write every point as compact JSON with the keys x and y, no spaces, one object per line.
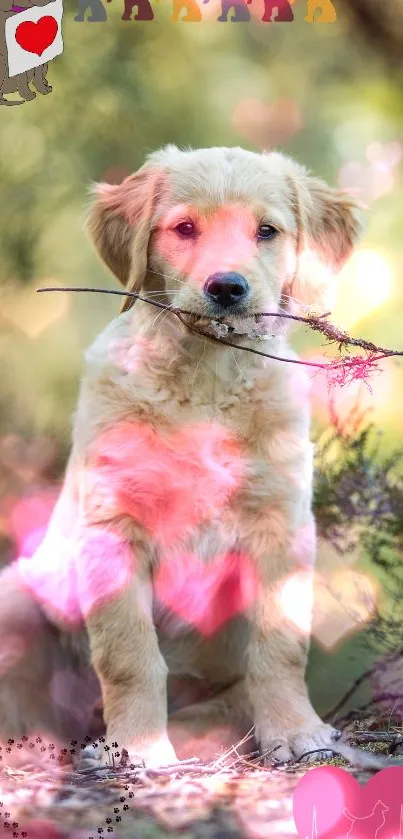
{"x":211,"y":464}
{"x":197,"y":441}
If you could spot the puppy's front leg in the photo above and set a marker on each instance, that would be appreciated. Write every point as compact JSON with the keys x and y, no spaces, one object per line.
{"x":286,"y":724}
{"x":131,"y":670}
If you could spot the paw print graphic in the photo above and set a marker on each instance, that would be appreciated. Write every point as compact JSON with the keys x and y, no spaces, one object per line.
{"x":12,"y":827}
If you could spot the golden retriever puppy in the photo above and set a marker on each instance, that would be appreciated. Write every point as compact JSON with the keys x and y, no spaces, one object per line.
{"x":186,"y":506}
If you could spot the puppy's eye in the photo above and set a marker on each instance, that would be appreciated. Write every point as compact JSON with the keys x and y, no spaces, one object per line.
{"x":266,"y":231}
{"x":186,"y":229}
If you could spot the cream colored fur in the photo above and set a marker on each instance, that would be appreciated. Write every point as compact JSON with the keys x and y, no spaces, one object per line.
{"x":223,"y":448}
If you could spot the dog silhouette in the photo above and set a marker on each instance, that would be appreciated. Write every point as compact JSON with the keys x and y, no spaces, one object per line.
{"x":97,"y":9}
{"x":20,"y":83}
{"x":144,"y":10}
{"x":326,"y":9}
{"x":284,"y":12}
{"x":193,"y":13}
{"x":377,"y":816}
{"x":242,"y":13}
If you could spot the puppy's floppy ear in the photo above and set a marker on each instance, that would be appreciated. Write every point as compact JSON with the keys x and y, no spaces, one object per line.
{"x":119,"y":223}
{"x":328,"y":226}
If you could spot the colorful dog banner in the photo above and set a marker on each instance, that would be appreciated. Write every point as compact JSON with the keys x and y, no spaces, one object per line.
{"x":34,"y":37}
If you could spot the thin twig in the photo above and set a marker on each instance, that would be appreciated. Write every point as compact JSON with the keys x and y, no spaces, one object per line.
{"x":332,"y":713}
{"x":362,"y":759}
{"x":377,"y":737}
{"x":357,"y":366}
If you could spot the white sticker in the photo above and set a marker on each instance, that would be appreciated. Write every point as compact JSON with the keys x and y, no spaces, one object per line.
{"x":34,"y":36}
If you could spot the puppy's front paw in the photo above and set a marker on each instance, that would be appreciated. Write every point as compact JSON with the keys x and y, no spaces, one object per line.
{"x":152,"y":756}
{"x":90,"y":757}
{"x":306,"y":744}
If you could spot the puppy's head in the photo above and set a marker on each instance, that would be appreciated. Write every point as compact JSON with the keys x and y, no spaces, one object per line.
{"x":224,"y":232}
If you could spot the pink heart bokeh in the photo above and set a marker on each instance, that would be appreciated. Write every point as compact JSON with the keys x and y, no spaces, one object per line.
{"x":330,"y":804}
{"x":207,"y":596}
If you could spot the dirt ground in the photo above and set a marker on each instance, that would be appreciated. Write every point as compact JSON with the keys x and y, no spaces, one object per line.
{"x":233,"y":797}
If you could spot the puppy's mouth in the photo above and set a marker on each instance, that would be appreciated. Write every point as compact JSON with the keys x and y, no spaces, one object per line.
{"x":257,"y":326}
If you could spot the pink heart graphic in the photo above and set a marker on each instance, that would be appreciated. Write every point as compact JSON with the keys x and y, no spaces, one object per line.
{"x":207,"y":596}
{"x":169,"y":481}
{"x":330,"y":804}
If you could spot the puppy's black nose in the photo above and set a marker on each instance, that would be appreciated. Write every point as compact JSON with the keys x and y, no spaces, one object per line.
{"x":226,"y":288}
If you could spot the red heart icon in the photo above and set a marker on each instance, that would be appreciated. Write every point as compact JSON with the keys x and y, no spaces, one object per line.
{"x":36,"y":37}
{"x":330,"y":804}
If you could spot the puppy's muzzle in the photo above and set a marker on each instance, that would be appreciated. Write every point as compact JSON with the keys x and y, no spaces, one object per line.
{"x":227,"y":290}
